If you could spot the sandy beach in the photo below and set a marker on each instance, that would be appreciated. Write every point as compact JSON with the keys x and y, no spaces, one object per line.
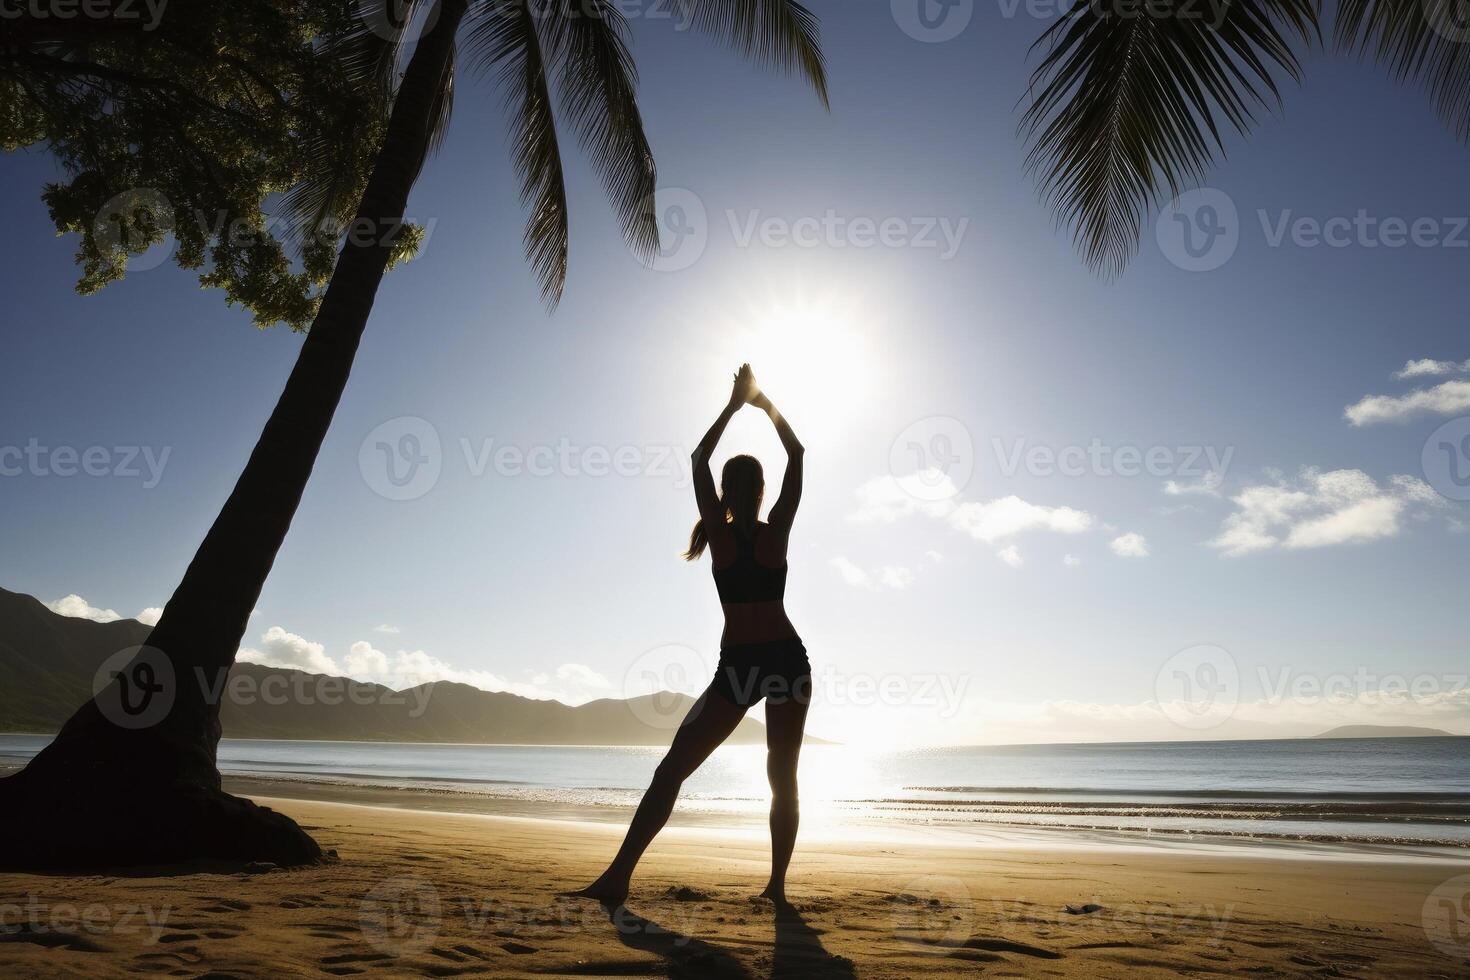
{"x":416,"y":893}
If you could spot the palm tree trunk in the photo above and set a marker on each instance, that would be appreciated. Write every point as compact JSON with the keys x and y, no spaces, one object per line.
{"x":106,"y":793}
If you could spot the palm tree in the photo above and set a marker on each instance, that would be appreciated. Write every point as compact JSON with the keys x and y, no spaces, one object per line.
{"x":106,"y":792}
{"x":1130,"y":97}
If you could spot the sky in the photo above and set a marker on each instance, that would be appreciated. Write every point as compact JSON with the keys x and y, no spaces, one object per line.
{"x":1214,"y":497}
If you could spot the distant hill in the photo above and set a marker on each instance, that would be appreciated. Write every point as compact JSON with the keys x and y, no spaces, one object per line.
{"x":47,"y":663}
{"x":1383,"y":731}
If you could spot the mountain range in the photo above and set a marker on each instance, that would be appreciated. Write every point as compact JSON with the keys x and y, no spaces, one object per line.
{"x":48,"y":663}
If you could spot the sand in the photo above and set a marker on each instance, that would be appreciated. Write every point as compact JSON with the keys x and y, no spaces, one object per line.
{"x":450,"y":894}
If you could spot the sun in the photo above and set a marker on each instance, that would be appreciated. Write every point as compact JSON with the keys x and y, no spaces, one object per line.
{"x":811,"y":356}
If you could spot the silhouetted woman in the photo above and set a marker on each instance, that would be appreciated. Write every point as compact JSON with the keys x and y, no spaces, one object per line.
{"x":760,"y":654}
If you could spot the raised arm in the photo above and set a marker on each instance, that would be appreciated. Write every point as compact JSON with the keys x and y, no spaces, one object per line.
{"x":783,"y":513}
{"x":705,"y":494}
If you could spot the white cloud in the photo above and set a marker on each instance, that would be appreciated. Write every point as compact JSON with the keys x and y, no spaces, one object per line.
{"x":933,"y":556}
{"x":403,"y":669}
{"x":1071,"y":561}
{"x":1011,"y":556}
{"x":387,"y":628}
{"x":1008,"y":516}
{"x":1130,"y":545}
{"x":76,"y":607}
{"x":1206,"y":486}
{"x":887,"y":499}
{"x":895,"y":577}
{"x":883,"y":577}
{"x":1318,"y":510}
{"x":851,"y":573}
{"x":1447,"y":398}
{"x":280,"y":648}
{"x":150,"y":616}
{"x":1426,"y":367}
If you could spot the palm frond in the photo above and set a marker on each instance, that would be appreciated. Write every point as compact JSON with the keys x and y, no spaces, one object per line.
{"x":370,"y":49}
{"x":505,"y":40}
{"x":780,"y":33}
{"x":598,"y":85}
{"x":1130,"y":97}
{"x":366,"y":54}
{"x":1423,"y":41}
{"x":443,"y":106}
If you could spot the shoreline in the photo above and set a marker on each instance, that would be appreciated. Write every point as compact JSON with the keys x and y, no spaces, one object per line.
{"x":872,"y":829}
{"x":869,"y":820}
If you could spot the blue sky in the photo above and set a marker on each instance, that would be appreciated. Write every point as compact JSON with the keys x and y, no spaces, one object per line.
{"x":1307,"y":564}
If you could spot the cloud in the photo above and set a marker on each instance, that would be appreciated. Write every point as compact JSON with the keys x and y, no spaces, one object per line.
{"x":1009,"y":516}
{"x":1318,"y":510}
{"x":1206,"y":486}
{"x":884,"y":577}
{"x":280,"y":648}
{"x":76,"y":607}
{"x":1130,"y":545}
{"x":1011,"y":556}
{"x":1071,"y":561}
{"x":887,"y":499}
{"x":1447,"y":398}
{"x":1427,"y":367}
{"x":386,"y":628}
{"x":403,"y":669}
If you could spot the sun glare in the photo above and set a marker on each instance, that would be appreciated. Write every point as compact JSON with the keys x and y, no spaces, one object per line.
{"x":811,"y":355}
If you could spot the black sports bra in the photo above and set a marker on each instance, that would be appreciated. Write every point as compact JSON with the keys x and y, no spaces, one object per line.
{"x":747,"y":580}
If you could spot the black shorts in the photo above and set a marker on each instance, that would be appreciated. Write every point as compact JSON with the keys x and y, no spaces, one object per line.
{"x":778,"y":671}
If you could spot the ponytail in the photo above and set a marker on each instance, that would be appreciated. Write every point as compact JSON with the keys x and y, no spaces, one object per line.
{"x":698,"y":540}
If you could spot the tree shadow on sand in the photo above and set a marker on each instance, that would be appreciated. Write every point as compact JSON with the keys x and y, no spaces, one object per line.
{"x":800,"y":953}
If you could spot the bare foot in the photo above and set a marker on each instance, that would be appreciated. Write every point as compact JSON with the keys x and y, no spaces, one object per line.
{"x":776,"y":893}
{"x":609,"y":893}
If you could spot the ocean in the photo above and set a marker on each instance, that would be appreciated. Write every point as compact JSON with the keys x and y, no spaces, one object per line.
{"x":1410,"y":793}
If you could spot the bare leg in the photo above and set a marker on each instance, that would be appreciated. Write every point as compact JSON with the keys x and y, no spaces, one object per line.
{"x":709,"y":722}
{"x":785,"y":725}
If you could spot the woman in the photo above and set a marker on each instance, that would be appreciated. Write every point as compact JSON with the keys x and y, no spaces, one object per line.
{"x":760,"y":654}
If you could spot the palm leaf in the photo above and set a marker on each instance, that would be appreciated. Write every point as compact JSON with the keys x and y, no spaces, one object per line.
{"x":366,"y":54}
{"x":506,"y":41}
{"x":1427,"y":41}
{"x":1128,"y":102}
{"x":780,"y":33}
{"x":598,"y":88}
